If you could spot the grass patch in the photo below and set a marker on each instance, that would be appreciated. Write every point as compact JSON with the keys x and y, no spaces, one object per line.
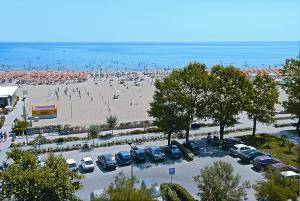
{"x":273,"y":145}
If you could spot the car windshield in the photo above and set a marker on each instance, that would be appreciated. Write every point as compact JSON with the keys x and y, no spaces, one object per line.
{"x":174,"y":148}
{"x":255,"y":154}
{"x":157,"y":151}
{"x":109,"y":158}
{"x":140,"y":153}
{"x":126,"y":156}
{"x":72,"y":165}
{"x":248,"y":152}
{"x":88,"y":162}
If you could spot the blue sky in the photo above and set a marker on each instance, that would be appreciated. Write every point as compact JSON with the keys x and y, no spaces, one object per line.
{"x":149,"y":20}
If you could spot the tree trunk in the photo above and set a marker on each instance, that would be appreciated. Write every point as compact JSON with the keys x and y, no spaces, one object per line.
{"x":298,"y":124}
{"x":222,"y":126}
{"x":254,"y":126}
{"x":187,"y":134}
{"x":169,"y":138}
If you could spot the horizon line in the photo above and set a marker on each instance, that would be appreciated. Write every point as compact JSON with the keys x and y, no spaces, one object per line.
{"x":149,"y":41}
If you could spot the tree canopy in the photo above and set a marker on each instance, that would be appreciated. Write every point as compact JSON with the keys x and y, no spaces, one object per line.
{"x":261,"y":101}
{"x":111,"y":121}
{"x":218,"y":183}
{"x":291,"y":73}
{"x":27,"y":180}
{"x":93,"y":132}
{"x":276,"y":188}
{"x":228,"y":94}
{"x":179,"y":98}
{"x":126,"y":189}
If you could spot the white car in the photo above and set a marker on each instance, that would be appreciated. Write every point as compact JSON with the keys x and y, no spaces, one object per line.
{"x":237,"y":149}
{"x":72,"y":164}
{"x":87,"y":164}
{"x":291,"y":174}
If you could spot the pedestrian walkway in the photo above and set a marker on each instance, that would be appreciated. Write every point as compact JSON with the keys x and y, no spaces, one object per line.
{"x":9,"y":121}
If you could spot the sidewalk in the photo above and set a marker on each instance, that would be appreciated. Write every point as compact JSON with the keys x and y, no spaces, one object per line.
{"x":9,"y":121}
{"x":261,"y":128}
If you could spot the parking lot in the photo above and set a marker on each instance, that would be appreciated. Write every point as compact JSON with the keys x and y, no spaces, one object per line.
{"x":158,"y":171}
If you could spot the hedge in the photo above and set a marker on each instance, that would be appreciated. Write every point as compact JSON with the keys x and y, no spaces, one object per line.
{"x":186,"y":152}
{"x":175,"y":192}
{"x":284,"y":125}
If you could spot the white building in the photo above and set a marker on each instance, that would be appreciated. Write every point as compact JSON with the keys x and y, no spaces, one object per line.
{"x":7,"y":94}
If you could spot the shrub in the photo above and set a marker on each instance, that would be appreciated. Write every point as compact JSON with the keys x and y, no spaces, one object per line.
{"x":186,"y":152}
{"x":174,"y":192}
{"x":59,"y":140}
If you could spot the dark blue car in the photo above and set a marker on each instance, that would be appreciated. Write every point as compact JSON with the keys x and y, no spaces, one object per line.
{"x":229,"y":142}
{"x":173,"y":151}
{"x":123,"y":158}
{"x":138,"y":154}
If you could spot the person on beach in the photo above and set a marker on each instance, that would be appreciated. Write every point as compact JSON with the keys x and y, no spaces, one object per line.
{"x":5,"y":136}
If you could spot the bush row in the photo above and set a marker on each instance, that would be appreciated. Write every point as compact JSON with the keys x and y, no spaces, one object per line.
{"x":185,"y":151}
{"x":134,"y":132}
{"x":284,"y":125}
{"x":175,"y":192}
{"x":96,"y":145}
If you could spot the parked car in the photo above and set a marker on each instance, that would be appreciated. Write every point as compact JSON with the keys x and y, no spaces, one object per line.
{"x":282,"y":167}
{"x":173,"y":151}
{"x":155,"y":153}
{"x":291,"y":175}
{"x":87,"y":164}
{"x":72,"y":164}
{"x":229,"y":142}
{"x":193,"y":146}
{"x":262,"y":162}
{"x":249,"y":155}
{"x":153,"y":187}
{"x":123,"y":158}
{"x":237,"y":149}
{"x":138,"y":154}
{"x":107,"y":161}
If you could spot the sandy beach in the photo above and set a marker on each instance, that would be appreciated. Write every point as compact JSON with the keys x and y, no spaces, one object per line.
{"x":92,"y":101}
{"x":82,"y":103}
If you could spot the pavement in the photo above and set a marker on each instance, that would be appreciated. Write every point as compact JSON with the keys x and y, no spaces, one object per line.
{"x":158,"y":171}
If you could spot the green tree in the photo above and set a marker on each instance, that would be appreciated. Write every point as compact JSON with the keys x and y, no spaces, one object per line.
{"x":26,"y":180}
{"x":276,"y":188}
{"x":283,"y":139}
{"x":164,"y":107}
{"x":182,"y":95}
{"x":228,"y":94}
{"x":126,"y":189}
{"x":291,"y":145}
{"x":262,"y":100}
{"x":291,"y":73}
{"x":93,"y":132}
{"x":218,"y":183}
{"x":112,"y":121}
{"x":20,"y":127}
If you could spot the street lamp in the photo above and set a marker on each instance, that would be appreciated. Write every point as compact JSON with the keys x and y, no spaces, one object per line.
{"x":25,"y":118}
{"x":131,"y":166}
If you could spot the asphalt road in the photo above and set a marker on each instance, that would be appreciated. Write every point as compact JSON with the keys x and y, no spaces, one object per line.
{"x":185,"y":171}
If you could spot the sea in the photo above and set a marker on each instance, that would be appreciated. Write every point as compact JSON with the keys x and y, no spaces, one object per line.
{"x":143,"y":56}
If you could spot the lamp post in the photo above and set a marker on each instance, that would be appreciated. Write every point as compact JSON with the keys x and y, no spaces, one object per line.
{"x":25,"y":118}
{"x":131,"y":166}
